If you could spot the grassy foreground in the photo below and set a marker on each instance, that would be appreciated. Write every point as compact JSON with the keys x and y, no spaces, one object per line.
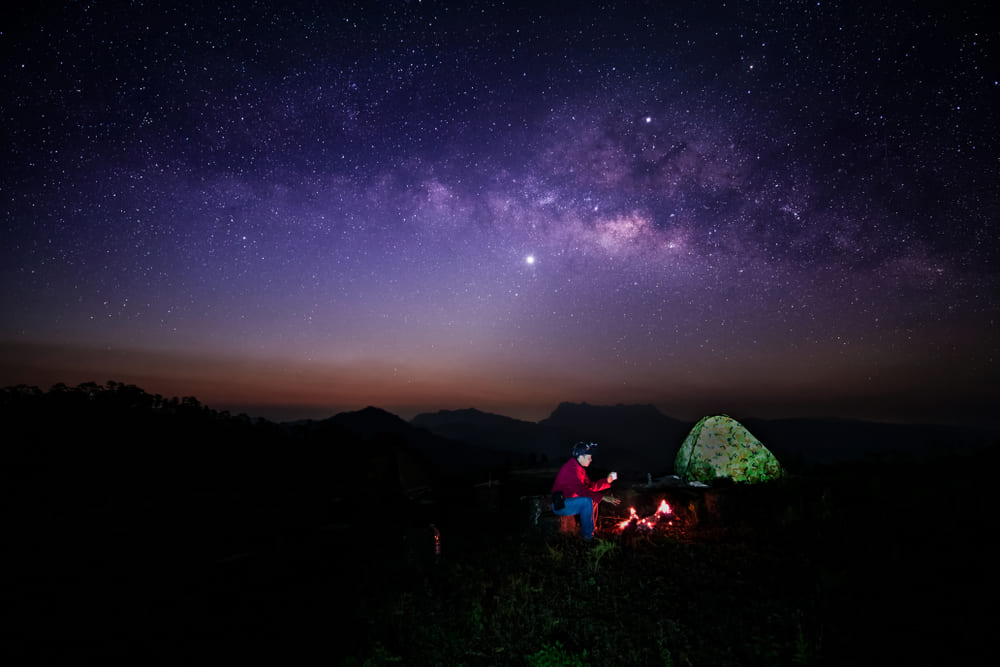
{"x":864,"y":564}
{"x":867,"y":564}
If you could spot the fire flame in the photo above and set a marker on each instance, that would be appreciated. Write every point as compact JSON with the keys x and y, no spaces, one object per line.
{"x":645,"y":522}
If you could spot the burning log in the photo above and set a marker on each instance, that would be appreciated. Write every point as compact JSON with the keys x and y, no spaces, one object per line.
{"x":646,"y":523}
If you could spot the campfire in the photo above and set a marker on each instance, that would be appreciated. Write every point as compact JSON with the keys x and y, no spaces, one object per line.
{"x":646,"y":523}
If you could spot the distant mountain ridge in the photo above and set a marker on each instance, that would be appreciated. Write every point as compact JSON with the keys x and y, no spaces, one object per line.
{"x":633,"y":439}
{"x":526,"y":441}
{"x":640,"y":438}
{"x":829,"y":440}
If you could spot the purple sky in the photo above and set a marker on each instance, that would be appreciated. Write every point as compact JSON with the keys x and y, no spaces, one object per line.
{"x":292,"y":209}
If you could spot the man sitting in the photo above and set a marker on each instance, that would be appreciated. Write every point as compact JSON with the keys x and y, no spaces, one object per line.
{"x":574,"y":493}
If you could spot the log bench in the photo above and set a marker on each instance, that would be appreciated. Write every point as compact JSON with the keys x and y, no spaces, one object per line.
{"x":542,"y":518}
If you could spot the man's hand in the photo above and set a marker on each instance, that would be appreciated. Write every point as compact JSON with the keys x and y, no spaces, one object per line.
{"x":612,"y":477}
{"x":611,"y":499}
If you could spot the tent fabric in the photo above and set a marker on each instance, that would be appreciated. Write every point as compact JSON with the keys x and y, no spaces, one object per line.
{"x":719,"y":446}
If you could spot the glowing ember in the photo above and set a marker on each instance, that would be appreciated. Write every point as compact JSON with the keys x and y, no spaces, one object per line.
{"x":437,"y":539}
{"x":647,"y":522}
{"x":632,"y":516}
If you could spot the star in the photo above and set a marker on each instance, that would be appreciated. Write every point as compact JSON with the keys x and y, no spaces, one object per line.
{"x":385,"y":185}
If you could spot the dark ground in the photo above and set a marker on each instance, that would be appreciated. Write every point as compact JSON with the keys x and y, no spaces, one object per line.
{"x":860,"y":564}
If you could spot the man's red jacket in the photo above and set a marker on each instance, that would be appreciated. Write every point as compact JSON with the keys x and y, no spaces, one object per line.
{"x":572,"y":480}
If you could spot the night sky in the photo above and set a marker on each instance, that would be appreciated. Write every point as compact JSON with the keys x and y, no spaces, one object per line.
{"x":768,"y":209}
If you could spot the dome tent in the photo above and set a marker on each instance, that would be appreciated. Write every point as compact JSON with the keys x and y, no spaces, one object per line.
{"x":719,"y":446}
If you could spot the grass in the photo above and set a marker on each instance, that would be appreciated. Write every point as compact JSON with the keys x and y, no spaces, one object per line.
{"x":869,"y":564}
{"x":839,"y":569}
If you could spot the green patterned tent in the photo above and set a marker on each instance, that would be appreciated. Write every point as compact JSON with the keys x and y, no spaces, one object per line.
{"x":719,"y":446}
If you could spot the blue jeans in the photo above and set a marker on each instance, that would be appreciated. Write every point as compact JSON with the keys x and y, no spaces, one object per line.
{"x":585,"y":508}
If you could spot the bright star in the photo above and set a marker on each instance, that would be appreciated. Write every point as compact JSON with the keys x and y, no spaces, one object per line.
{"x":530,"y":259}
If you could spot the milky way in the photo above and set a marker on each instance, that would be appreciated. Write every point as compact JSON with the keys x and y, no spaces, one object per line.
{"x":776,"y":208}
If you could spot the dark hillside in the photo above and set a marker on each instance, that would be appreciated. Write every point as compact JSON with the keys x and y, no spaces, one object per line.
{"x":522,"y":442}
{"x":118,"y":501}
{"x":142,"y":525}
{"x":445,"y":453}
{"x":636,"y":439}
{"x":639,"y":439}
{"x":821,"y":441}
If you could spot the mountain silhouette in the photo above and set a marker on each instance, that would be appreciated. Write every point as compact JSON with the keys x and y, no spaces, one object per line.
{"x":639,"y":439}
{"x":636,"y":439}
{"x":824,"y":441}
{"x":526,"y":442}
{"x":379,"y":428}
{"x":371,"y":422}
{"x":633,"y":439}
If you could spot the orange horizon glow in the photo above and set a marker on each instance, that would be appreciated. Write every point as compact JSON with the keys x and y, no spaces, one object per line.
{"x":291,"y":388}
